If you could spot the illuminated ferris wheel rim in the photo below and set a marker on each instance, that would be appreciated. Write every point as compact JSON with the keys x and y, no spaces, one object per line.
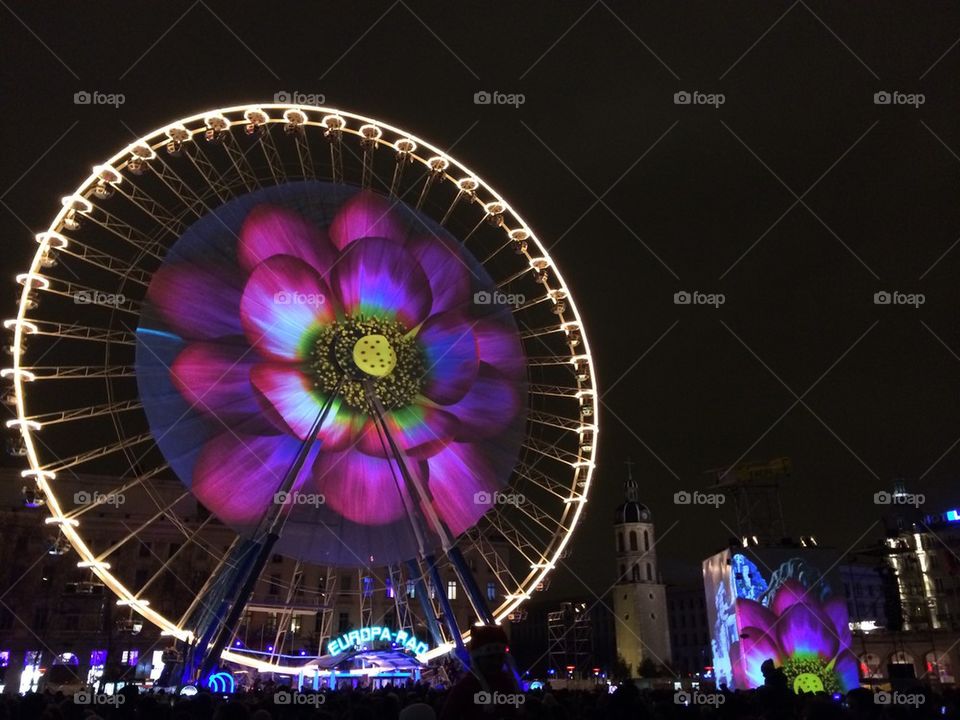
{"x":325,"y":118}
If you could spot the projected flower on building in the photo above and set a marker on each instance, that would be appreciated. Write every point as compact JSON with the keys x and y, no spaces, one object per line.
{"x":374,"y":307}
{"x":807,"y":637}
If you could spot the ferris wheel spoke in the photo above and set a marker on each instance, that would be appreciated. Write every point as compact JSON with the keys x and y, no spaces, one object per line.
{"x":86,"y":295}
{"x":544,"y":481}
{"x":169,"y":561}
{"x":143,"y":526}
{"x":85,"y":413}
{"x":562,"y":422}
{"x":238,"y":159}
{"x":75,"y":331}
{"x":505,"y":527}
{"x":552,"y":452}
{"x":103,"y":499}
{"x":270,"y":153}
{"x":492,"y":559}
{"x":531,"y":304}
{"x":127,"y":269}
{"x":156,"y":211}
{"x":79,"y":372}
{"x":121,"y":229}
{"x":201,"y":163}
{"x":96,"y":453}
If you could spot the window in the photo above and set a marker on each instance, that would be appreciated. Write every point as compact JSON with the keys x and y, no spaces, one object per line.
{"x":646,"y":540}
{"x":649,"y":572}
{"x":367,"y":586}
{"x":635,"y":574}
{"x":390,"y":592}
{"x":633,"y":540}
{"x":411,"y":589}
{"x":451,"y":590}
{"x":492,"y":590}
{"x":346,"y":582}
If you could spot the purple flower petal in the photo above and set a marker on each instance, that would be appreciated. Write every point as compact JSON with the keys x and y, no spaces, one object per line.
{"x":236,"y":476}
{"x":450,"y":354}
{"x":269,"y":230}
{"x":378,"y":278}
{"x":366,"y":215}
{"x":489,"y":407}
{"x":790,"y":593}
{"x":360,"y":487}
{"x":215,"y":379}
{"x":462,"y":483}
{"x":418,"y":430}
{"x":298,"y":403}
{"x":501,"y":348}
{"x":445,"y":269}
{"x":848,"y":669}
{"x":836,"y":609}
{"x":283,"y":301}
{"x":198,"y":302}
{"x":749,"y":653}
{"x":805,"y":630}
{"x":753,"y":614}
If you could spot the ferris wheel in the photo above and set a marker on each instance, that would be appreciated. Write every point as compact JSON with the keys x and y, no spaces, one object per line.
{"x":341,"y":343}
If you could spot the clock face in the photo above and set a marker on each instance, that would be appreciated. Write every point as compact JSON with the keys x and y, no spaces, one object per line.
{"x":644,"y":515}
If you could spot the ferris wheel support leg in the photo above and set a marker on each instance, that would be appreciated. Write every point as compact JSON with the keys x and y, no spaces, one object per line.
{"x":449,"y":619}
{"x":421,"y":592}
{"x":469,"y":585}
{"x":271,"y":525}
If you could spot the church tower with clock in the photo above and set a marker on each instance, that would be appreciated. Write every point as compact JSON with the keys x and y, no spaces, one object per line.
{"x":639,"y":598}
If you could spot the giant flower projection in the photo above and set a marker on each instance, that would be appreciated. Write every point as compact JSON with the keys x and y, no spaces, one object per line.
{"x":307,"y":294}
{"x":807,"y":637}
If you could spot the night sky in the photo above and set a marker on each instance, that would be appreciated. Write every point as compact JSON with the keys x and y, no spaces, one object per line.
{"x":798,"y":198}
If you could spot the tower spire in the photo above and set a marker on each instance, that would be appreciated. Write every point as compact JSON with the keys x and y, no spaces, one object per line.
{"x":630,"y":487}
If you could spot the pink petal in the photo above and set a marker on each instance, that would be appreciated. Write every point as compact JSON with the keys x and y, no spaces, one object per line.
{"x":298,"y":403}
{"x":753,"y":648}
{"x":450,"y":354}
{"x":270,"y":230}
{"x":489,"y":407}
{"x":360,"y":487}
{"x":378,"y":278}
{"x":447,"y":272}
{"x":500,"y":347}
{"x":215,"y":379}
{"x":753,"y":614}
{"x":789,"y":593}
{"x":462,"y":483}
{"x":367,"y":215}
{"x":804,"y":629}
{"x":236,"y":476}
{"x":198,"y":301}
{"x":283,"y":301}
{"x":418,"y":430}
{"x":835,"y":609}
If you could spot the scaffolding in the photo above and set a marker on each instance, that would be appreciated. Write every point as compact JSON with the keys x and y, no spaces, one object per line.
{"x":570,"y":641}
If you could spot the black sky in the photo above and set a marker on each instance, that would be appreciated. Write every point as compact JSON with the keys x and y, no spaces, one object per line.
{"x":642,"y":197}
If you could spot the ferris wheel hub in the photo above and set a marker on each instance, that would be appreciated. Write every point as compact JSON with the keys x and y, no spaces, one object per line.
{"x":374,"y":355}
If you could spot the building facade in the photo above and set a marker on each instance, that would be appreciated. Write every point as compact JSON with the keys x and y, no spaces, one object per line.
{"x":689,"y":631}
